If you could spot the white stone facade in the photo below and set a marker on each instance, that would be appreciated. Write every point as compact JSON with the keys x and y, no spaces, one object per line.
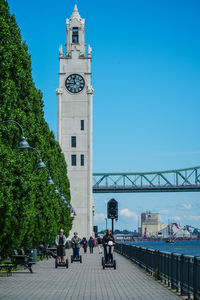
{"x":75,"y":122}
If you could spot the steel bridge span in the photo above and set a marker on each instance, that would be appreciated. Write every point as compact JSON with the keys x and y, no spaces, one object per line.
{"x":182,"y":180}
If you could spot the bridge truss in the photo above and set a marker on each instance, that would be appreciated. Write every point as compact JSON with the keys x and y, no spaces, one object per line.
{"x":182,"y":180}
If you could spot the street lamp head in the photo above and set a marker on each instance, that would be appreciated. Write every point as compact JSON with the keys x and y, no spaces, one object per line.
{"x":56,"y":191}
{"x":23,"y":144}
{"x":68,"y":205}
{"x":40,"y":164}
{"x":73,"y":213}
{"x":50,"y":181}
{"x":62,"y":197}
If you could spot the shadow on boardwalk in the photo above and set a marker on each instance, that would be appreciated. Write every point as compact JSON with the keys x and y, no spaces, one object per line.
{"x":86,"y":281}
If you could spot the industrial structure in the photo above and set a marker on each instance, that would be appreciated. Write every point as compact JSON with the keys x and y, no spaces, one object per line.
{"x":150,"y":224}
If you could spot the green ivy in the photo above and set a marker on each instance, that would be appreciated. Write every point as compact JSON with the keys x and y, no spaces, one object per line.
{"x":29,"y":210}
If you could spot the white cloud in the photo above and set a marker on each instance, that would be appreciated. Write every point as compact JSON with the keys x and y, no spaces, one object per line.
{"x":177,"y":218}
{"x":128,"y":214}
{"x":99,"y":217}
{"x":164,"y":211}
{"x":193,"y":218}
{"x":187,"y":206}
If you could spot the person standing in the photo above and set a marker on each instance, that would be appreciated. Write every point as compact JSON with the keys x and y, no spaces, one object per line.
{"x":108,"y":237}
{"x":60,"y":243}
{"x":75,"y":241}
{"x":91,"y":244}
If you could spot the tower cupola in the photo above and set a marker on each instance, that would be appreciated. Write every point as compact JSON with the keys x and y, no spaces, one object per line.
{"x":75,"y":34}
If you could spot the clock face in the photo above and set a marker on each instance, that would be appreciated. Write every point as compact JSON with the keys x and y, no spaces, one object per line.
{"x":75,"y":83}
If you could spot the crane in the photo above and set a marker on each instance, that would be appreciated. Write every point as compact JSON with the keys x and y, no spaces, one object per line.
{"x":189,"y":226}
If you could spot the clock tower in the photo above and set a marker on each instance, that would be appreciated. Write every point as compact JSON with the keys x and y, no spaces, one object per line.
{"x":75,"y":118}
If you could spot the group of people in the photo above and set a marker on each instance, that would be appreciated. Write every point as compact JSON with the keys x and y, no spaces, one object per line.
{"x":91,"y":243}
{"x":76,"y":243}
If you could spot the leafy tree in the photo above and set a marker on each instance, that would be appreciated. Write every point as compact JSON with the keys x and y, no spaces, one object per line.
{"x":29,"y":210}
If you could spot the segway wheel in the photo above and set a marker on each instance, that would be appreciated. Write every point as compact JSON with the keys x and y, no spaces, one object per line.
{"x":56,"y":263}
{"x":71,"y":258}
{"x":114,"y":263}
{"x":67,"y":264}
{"x":81,"y":259}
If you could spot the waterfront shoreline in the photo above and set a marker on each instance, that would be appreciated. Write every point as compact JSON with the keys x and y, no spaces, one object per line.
{"x":186,"y":247}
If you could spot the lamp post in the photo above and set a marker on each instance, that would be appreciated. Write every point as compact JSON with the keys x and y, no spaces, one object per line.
{"x":106,"y":219}
{"x":23,"y":144}
{"x":40,"y":164}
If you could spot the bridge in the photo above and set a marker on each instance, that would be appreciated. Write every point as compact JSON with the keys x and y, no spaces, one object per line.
{"x":181,"y":180}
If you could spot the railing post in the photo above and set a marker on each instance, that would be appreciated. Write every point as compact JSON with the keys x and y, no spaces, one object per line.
{"x":195,"y":278}
{"x":172,"y":271}
{"x":182,"y":274}
{"x":159,"y":265}
{"x":188,"y":277}
{"x":168,"y":268}
{"x":165,"y":267}
{"x":178,"y":272}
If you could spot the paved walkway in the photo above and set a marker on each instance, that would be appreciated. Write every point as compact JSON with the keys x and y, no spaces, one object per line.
{"x":86,"y":281}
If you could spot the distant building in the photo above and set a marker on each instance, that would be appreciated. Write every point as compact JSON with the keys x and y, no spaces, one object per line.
{"x":150,"y":224}
{"x":173,"y":230}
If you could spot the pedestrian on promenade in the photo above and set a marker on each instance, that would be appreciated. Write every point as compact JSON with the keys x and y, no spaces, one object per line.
{"x":91,"y":244}
{"x":60,"y":243}
{"x":107,"y":238}
{"x":99,"y":241}
{"x":84,"y":244}
{"x":75,"y":241}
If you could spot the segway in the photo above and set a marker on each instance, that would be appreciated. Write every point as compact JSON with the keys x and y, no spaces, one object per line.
{"x":62,"y":263}
{"x":76,"y":258}
{"x":110,"y":263}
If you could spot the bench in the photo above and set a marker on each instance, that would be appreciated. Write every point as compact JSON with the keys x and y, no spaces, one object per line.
{"x":22,"y":260}
{"x":52,"y":251}
{"x":7,"y":266}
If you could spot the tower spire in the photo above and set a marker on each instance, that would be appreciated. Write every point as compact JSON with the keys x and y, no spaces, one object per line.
{"x":75,"y":14}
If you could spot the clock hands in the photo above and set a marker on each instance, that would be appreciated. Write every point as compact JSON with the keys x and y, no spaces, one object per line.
{"x":75,"y":83}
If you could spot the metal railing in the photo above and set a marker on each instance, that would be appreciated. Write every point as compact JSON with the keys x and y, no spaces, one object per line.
{"x":180,"y":272}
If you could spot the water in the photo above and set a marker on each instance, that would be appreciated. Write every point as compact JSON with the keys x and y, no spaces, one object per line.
{"x":183,"y":247}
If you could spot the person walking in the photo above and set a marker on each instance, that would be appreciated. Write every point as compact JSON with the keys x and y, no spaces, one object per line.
{"x":91,"y":244}
{"x":75,"y":241}
{"x":84,"y":244}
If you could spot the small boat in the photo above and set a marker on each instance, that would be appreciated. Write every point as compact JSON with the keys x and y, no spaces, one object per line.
{"x":170,"y":241}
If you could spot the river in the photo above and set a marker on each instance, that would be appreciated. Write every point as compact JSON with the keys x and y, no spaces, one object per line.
{"x":183,"y":247}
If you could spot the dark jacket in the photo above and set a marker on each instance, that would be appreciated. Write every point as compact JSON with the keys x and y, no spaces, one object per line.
{"x":84,"y":243}
{"x":91,"y":242}
{"x":99,"y":240}
{"x":107,"y":238}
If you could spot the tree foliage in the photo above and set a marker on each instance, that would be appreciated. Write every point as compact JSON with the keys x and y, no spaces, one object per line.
{"x":29,"y":210}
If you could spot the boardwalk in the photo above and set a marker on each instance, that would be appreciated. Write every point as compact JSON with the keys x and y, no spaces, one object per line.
{"x":86,"y":281}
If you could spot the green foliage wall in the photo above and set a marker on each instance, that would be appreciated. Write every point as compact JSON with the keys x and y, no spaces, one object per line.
{"x":29,"y":211}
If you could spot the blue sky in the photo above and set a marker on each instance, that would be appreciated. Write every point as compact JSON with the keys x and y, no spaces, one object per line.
{"x":146,"y":78}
